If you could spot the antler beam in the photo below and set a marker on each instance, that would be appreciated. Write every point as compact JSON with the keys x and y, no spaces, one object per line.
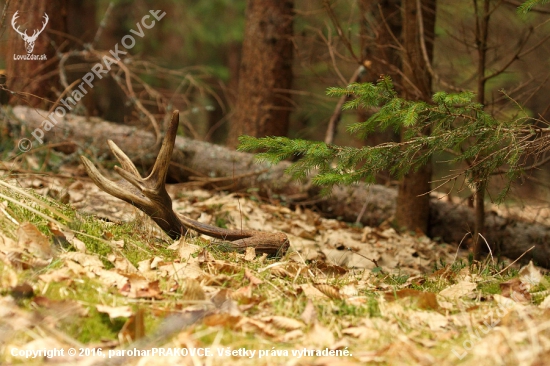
{"x":150,"y":196}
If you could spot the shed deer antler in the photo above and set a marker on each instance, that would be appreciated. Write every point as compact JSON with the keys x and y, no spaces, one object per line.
{"x":150,"y":196}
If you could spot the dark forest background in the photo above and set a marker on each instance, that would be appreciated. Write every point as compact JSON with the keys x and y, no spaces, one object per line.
{"x":203,"y":58}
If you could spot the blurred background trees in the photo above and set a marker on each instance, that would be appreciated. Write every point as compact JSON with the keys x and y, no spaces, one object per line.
{"x":263,"y":67}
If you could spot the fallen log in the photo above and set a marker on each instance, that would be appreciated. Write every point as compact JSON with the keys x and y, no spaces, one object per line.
{"x":237,"y":171}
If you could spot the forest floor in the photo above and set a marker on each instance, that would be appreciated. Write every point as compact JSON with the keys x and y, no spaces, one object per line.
{"x":87,"y":279}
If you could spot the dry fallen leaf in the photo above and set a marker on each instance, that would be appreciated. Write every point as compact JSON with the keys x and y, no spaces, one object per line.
{"x":244,"y":295}
{"x":349,"y":291}
{"x":205,"y":256}
{"x":192,"y":290}
{"x":253,"y":326}
{"x":8,"y":278}
{"x":31,"y":239}
{"x":330,"y":291}
{"x":134,"y":328}
{"x":182,"y":270}
{"x":144,"y":266}
{"x":309,"y":315}
{"x":250,"y":254}
{"x":139,"y":287}
{"x":6,"y":243}
{"x":62,"y":237}
{"x":61,"y":308}
{"x":516,"y":290}
{"x":116,"y":311}
{"x":253,"y":279}
{"x":361,"y":332}
{"x":110,"y":278}
{"x":156,"y":262}
{"x":282,"y":322}
{"x":221,"y":266}
{"x":432,"y":319}
{"x":291,"y":336}
{"x":221,"y":296}
{"x":319,"y":336}
{"x":458,"y":290}
{"x":185,"y":250}
{"x":331,"y":270}
{"x":57,"y":275}
{"x":279,"y":272}
{"x":230,"y":307}
{"x":530,"y":276}
{"x":85,"y":260}
{"x":310,"y":291}
{"x":21,"y":260}
{"x":419,"y":299}
{"x":122,"y":264}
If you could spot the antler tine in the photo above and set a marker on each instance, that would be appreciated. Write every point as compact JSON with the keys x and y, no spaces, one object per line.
{"x":123,"y":159}
{"x":157,"y":177}
{"x":150,"y":196}
{"x":111,"y":187}
{"x":137,"y":182}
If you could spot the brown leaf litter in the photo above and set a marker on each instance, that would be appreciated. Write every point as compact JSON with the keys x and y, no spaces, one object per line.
{"x":362,"y":293}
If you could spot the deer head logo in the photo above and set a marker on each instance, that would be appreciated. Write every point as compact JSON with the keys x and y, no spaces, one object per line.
{"x":29,"y":40}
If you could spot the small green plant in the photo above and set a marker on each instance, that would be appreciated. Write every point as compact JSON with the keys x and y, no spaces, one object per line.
{"x":457,"y":125}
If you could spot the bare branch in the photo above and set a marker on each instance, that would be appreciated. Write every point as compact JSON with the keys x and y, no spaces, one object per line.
{"x":336,"y":24}
{"x":335,"y":118}
{"x":434,"y":75}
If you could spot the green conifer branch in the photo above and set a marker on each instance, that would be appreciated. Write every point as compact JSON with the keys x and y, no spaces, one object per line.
{"x":458,"y":124}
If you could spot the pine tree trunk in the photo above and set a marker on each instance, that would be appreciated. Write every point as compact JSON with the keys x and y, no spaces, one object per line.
{"x":482,"y":33}
{"x":381,"y":29}
{"x":413,"y":202}
{"x":263,"y":107}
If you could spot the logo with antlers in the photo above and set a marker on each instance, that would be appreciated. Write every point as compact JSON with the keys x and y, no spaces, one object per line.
{"x":29,"y":40}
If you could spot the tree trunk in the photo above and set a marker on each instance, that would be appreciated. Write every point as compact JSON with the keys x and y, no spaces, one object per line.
{"x":198,"y":161}
{"x":33,"y":81}
{"x":482,"y":33}
{"x":381,"y":30}
{"x":413,"y":202}
{"x":263,"y":106}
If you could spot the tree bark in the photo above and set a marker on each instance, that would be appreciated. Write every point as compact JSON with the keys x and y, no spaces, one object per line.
{"x":482,"y":34}
{"x":238,"y":171}
{"x":381,"y":30}
{"x":413,"y":202}
{"x":263,"y":106}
